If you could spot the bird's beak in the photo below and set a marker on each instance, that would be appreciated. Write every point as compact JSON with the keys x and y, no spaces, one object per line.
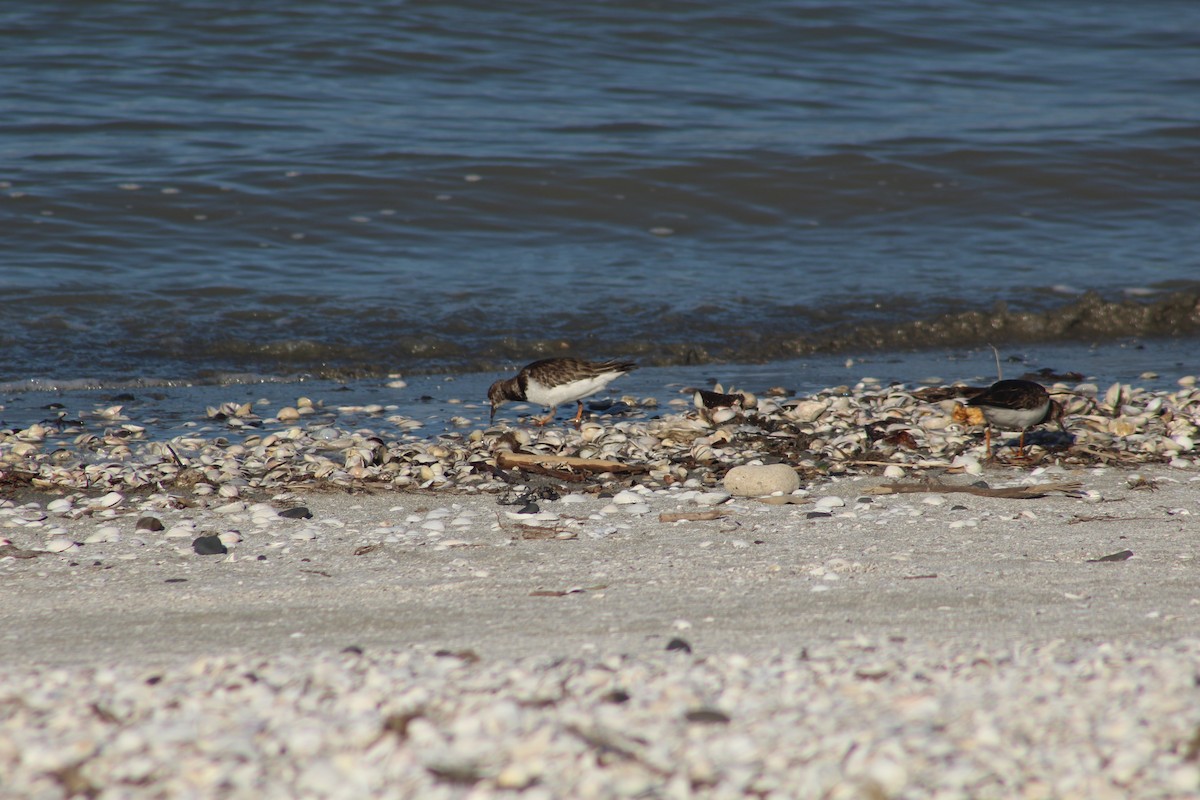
{"x":492,"y":418}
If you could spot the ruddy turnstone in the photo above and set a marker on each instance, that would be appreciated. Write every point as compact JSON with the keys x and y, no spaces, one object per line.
{"x":557,"y":380}
{"x":1016,"y":405}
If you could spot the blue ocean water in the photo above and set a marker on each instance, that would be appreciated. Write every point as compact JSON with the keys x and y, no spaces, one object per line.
{"x":201,"y":192}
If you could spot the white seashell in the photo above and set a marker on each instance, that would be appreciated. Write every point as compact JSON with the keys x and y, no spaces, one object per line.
{"x":551,"y":438}
{"x":936,"y":422}
{"x":60,"y":545}
{"x":34,"y":433}
{"x":107,"y":533}
{"x":112,"y":412}
{"x":107,"y":501}
{"x":720,"y":416}
{"x":59,"y":506}
{"x":590,"y":431}
{"x":230,"y":537}
{"x":808,"y":410}
{"x":1112,"y":398}
{"x":712,"y":498}
{"x":625,"y":497}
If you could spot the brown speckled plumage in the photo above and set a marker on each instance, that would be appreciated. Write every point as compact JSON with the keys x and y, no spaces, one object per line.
{"x":551,"y":381}
{"x":1016,"y":405}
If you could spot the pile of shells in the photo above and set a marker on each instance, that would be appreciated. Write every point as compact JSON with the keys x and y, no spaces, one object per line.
{"x":852,"y":720}
{"x":862,"y":429}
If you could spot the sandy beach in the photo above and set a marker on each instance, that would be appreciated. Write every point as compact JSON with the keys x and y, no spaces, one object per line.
{"x":869,"y":635}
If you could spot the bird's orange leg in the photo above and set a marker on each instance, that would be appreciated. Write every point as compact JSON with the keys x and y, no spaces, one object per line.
{"x":578,"y":414}
{"x":542,"y":422}
{"x":1021,"y":445}
{"x":987,"y":443}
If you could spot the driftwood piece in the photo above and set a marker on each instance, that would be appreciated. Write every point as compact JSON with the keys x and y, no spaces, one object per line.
{"x":919,"y":465}
{"x":529,"y":461}
{"x":690,"y":516}
{"x":565,"y":475}
{"x":783,"y":500}
{"x":17,"y":552}
{"x":1011,"y":492}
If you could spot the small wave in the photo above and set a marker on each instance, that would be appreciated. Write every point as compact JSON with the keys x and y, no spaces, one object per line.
{"x":379,"y":346}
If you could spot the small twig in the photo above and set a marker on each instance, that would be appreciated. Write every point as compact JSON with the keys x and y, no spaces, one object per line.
{"x":923,"y":465}
{"x":783,"y":500}
{"x":174,"y":455}
{"x":505,"y":459}
{"x":1104,"y":518}
{"x":690,"y":516}
{"x":1012,"y":492}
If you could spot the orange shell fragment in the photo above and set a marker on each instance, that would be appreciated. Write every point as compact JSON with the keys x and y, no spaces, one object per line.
{"x":968,"y":414}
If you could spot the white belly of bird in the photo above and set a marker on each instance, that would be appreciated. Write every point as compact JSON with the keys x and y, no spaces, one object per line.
{"x":1015,"y":419}
{"x":551,"y":396}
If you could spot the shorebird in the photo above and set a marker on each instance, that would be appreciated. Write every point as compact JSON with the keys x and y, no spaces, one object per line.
{"x":557,"y":380}
{"x":1016,"y":405}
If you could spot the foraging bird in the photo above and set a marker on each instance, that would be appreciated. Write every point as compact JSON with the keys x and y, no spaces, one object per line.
{"x":557,"y":380}
{"x":1016,"y":405}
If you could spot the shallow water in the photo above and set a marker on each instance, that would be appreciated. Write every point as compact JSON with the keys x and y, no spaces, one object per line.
{"x":457,"y":404}
{"x":353,"y":189}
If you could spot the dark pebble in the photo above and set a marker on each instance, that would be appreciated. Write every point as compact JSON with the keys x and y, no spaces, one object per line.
{"x":209,"y":546}
{"x":958,"y":508}
{"x":530,"y":508}
{"x":617,"y":696}
{"x":818,"y":514}
{"x":175,"y":580}
{"x":299,"y":512}
{"x":679,"y":644}
{"x":1123,"y":555}
{"x":710,"y":716}
{"x":148,"y":524}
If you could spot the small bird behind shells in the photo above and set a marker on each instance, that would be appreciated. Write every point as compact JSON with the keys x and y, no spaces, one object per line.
{"x":552,"y":381}
{"x":1016,"y":405}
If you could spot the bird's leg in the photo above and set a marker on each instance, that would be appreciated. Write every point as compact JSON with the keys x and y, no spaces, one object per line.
{"x":987,"y":443}
{"x":1021,"y":444}
{"x":546,"y":420}
{"x":578,"y":414}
